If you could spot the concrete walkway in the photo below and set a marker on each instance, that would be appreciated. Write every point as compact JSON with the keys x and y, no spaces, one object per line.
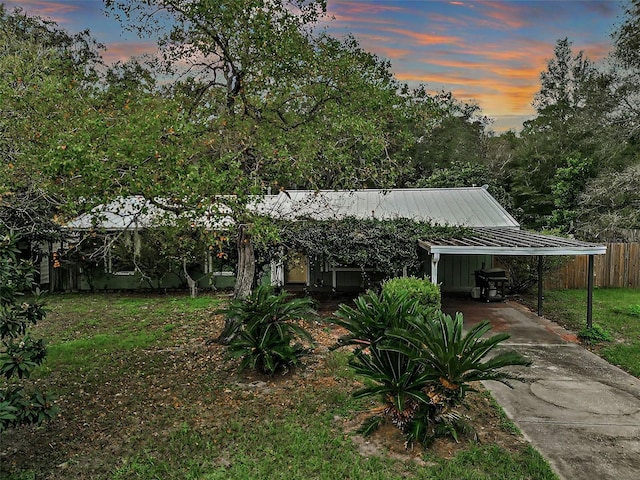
{"x":581,"y":413}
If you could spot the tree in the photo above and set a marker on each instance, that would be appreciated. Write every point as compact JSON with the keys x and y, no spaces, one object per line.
{"x":609,"y":206}
{"x":574,"y":108}
{"x":455,"y":132}
{"x":569,"y":181}
{"x":20,"y":354}
{"x":467,"y":174}
{"x":45,"y":74}
{"x":627,"y":36}
{"x":626,"y":58}
{"x":266,"y":102}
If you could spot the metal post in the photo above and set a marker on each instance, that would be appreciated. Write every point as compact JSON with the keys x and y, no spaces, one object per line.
{"x":539,"y":285}
{"x":435,"y":258}
{"x":590,"y":292}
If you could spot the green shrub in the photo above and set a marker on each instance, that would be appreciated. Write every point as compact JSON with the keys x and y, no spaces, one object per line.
{"x":595,"y":334}
{"x":420,"y":365}
{"x":426,"y":292}
{"x":19,"y":353}
{"x":373,"y":315}
{"x":265,"y":331}
{"x":634,"y":310}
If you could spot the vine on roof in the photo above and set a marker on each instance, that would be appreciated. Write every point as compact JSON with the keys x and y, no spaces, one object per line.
{"x":385,"y":245}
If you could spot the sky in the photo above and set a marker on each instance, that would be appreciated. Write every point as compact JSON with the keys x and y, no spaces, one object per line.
{"x":490,"y":52}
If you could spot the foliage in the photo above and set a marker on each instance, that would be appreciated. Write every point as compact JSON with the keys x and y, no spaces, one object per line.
{"x":610,"y":205}
{"x":522,"y":271}
{"x":374,"y":315}
{"x":595,"y":334}
{"x":451,"y":361}
{"x":467,"y":174}
{"x":568,"y":182}
{"x":264,"y":329}
{"x":420,"y":363}
{"x":20,"y":354}
{"x":388,"y":246}
{"x":45,"y":81}
{"x":427,"y":293}
{"x":458,"y":132}
{"x":627,"y":38}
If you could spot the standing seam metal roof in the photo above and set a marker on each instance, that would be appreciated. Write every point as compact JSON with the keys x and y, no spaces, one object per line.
{"x":470,"y":207}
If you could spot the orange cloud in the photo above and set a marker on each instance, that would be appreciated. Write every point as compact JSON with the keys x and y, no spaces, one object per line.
{"x":494,"y":95}
{"x":426,"y":38}
{"x":394,"y":53}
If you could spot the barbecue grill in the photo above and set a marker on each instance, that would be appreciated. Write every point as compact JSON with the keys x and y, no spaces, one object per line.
{"x":491,"y":282}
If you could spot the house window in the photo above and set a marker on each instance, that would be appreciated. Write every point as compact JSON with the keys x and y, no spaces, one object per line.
{"x":120,"y":259}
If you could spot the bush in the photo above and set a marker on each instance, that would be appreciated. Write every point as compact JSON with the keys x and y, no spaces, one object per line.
{"x":523,"y":271}
{"x":374,"y":315}
{"x":421,"y":289}
{"x":19,"y":353}
{"x":421,"y":364}
{"x":264,"y":329}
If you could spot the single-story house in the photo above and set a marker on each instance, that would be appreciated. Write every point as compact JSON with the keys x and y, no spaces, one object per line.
{"x":452,"y":263}
{"x":119,"y":225}
{"x":471,"y":207}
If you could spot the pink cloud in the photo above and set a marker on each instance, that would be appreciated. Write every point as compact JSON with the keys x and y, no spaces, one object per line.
{"x":123,"y":51}
{"x":56,"y":11}
{"x":361,"y":8}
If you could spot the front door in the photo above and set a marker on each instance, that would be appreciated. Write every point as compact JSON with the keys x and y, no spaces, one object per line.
{"x":296,"y":268}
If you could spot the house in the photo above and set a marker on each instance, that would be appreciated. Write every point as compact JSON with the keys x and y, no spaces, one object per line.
{"x":113,"y":236}
{"x":450,"y":262}
{"x":471,"y":207}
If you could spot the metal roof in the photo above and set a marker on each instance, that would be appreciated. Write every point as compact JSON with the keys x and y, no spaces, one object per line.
{"x":508,"y":241}
{"x":137,"y":212}
{"x":471,"y":207}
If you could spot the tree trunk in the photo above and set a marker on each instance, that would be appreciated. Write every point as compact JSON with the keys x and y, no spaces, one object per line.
{"x":244,"y":281}
{"x":246,"y":264}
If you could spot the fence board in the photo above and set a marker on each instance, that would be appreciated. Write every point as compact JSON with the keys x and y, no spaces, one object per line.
{"x":619,"y":267}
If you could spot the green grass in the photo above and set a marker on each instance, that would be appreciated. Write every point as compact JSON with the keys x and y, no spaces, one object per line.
{"x":614,"y":310}
{"x":143,"y":396}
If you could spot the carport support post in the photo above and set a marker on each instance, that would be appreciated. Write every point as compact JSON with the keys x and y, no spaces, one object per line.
{"x":590,"y":292}
{"x":435,"y":258}
{"x":539,"y":285}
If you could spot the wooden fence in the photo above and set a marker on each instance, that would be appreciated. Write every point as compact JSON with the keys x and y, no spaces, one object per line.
{"x":619,"y":267}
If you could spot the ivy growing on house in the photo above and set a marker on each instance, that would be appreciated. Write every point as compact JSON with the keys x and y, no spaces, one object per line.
{"x":388,"y":246}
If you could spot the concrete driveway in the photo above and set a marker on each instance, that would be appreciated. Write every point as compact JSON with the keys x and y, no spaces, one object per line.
{"x":580,"y":412}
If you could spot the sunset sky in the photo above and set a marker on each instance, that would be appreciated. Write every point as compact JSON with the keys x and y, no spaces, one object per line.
{"x":489,"y":51}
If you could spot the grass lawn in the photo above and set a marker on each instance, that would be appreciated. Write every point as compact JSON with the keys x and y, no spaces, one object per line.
{"x":617,"y":310}
{"x":145,"y":394}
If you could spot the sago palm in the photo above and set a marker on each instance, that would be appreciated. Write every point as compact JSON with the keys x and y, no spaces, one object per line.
{"x":265,"y":329}
{"x":454,"y":359}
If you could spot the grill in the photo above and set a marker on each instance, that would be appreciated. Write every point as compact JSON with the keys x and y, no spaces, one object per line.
{"x":491,"y":282}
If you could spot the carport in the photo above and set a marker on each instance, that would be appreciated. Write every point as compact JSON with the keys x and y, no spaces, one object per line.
{"x":515,"y":242}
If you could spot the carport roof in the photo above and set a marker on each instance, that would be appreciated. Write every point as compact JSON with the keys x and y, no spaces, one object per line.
{"x":511,"y":241}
